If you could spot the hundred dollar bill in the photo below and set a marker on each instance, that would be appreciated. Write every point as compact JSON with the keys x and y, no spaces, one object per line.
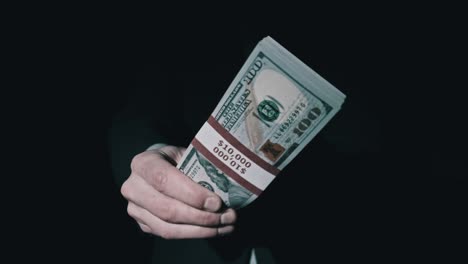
{"x":275,"y":106}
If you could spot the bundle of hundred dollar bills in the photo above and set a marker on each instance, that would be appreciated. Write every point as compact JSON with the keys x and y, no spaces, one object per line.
{"x":270,"y":112}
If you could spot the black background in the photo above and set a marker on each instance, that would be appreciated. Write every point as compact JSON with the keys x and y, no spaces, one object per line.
{"x":403,"y":63}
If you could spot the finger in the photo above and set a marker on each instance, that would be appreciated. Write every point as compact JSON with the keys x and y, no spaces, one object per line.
{"x":167,"y":179}
{"x":175,"y":153}
{"x":131,"y":208}
{"x":169,"y":209}
{"x":167,"y":158}
{"x":144,"y":227}
{"x":175,"y":231}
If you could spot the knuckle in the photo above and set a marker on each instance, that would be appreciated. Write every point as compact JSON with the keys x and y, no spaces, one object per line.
{"x":166,"y":234}
{"x":131,"y":210}
{"x":138,"y":161}
{"x":125,"y":190}
{"x":208,"y":219}
{"x":160,"y":180}
{"x":142,"y":162}
{"x":151,"y":168}
{"x":167,"y":212}
{"x":145,"y":229}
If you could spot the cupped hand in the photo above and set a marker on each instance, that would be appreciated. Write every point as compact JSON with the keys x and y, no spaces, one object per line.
{"x":168,"y":204}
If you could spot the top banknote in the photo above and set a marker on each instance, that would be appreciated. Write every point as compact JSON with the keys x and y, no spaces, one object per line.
{"x":273,"y":108}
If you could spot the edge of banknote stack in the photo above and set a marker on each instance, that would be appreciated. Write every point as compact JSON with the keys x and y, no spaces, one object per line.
{"x":229,"y":155}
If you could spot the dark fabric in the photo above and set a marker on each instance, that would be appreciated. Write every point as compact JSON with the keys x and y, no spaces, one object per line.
{"x":194,"y":251}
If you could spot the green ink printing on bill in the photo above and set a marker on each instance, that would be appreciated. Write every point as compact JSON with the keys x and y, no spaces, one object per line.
{"x":273,"y":108}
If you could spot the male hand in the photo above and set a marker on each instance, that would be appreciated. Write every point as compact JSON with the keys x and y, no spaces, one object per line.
{"x":168,"y":204}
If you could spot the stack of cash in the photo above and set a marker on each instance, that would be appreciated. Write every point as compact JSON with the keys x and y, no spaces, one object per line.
{"x":270,"y":112}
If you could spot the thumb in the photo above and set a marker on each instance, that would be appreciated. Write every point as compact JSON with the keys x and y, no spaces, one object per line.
{"x":172,"y":154}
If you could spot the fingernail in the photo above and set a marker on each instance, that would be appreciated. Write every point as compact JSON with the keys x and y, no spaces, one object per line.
{"x":228,"y":218}
{"x":222,"y":231}
{"x":212,"y":204}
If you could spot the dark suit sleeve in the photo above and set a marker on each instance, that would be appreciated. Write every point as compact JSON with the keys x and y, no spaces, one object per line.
{"x":152,"y":115}
{"x":147,"y":118}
